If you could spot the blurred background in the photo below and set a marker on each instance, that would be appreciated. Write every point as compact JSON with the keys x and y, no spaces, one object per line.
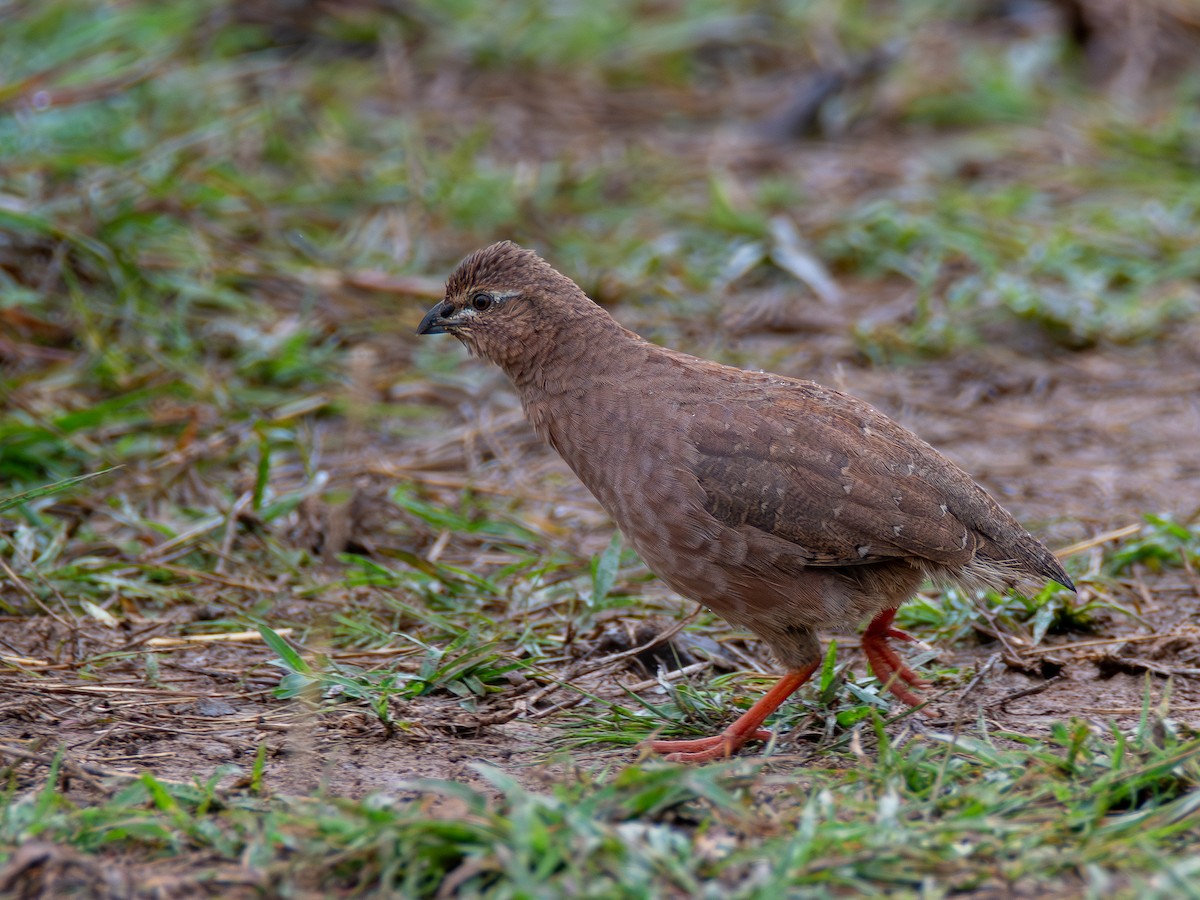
{"x":220,"y":223}
{"x":207,"y":207}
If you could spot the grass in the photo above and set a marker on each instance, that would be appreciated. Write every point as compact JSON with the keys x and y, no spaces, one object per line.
{"x":217,"y":232}
{"x":1073,"y":813}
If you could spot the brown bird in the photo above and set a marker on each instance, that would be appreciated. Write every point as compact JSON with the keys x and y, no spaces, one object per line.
{"x":782,"y":505}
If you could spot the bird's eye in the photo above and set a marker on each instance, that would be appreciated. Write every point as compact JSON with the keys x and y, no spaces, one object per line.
{"x":481,"y":301}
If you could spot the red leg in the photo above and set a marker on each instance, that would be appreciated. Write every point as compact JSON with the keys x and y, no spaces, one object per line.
{"x":888,"y":667}
{"x":747,"y":728}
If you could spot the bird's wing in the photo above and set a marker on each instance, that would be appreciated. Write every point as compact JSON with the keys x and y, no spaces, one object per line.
{"x":831,"y":475}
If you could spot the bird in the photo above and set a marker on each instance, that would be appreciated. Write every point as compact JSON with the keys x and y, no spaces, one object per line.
{"x":784,"y":506}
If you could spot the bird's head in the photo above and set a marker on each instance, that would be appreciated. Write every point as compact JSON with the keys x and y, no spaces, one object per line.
{"x":505,"y":303}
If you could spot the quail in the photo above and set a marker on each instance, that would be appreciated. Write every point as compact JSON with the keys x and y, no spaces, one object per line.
{"x":784,"y":506}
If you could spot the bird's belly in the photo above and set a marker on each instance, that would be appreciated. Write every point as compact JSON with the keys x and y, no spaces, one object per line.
{"x":745,"y":576}
{"x":749,"y":585}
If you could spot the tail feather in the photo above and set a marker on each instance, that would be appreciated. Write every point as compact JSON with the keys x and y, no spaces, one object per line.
{"x":1023,"y":563}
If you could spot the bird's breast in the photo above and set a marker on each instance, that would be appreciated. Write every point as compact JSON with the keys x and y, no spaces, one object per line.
{"x":642,"y":471}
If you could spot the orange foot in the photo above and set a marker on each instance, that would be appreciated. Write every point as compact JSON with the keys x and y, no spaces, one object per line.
{"x":719,"y":746}
{"x":747,"y":728}
{"x":888,"y":667}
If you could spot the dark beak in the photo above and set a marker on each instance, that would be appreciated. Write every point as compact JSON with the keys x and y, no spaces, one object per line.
{"x":434,"y":321}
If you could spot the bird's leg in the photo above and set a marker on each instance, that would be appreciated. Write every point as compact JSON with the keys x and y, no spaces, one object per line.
{"x":888,"y":667}
{"x":747,"y":728}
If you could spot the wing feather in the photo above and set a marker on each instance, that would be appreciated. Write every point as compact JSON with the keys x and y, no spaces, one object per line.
{"x":831,"y":475}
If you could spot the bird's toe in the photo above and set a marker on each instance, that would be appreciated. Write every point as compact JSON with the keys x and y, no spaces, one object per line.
{"x":719,"y":746}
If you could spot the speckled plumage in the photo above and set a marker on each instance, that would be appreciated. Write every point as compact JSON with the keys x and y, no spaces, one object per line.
{"x":783,"y":505}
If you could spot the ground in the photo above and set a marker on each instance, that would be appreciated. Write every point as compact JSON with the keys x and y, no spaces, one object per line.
{"x":1076,"y":446}
{"x":330,"y":619}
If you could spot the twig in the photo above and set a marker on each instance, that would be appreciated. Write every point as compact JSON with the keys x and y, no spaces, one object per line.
{"x":231,"y":525}
{"x":1100,"y":642}
{"x":1115,"y":535}
{"x":19,"y":661}
{"x":569,"y":703}
{"x":209,"y":576}
{"x":604,"y":662}
{"x":978,"y":679}
{"x":228,"y":637}
{"x":1150,"y":666}
{"x":1130,"y":710}
{"x":1026,"y":692}
{"x":82,"y":770}
{"x":524,"y":704}
{"x":204,"y":527}
{"x":21,"y":586}
{"x":673,"y":675}
{"x":100,"y":689}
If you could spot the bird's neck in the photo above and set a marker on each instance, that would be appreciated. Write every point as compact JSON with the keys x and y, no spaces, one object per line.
{"x":578,"y":392}
{"x":570,"y":358}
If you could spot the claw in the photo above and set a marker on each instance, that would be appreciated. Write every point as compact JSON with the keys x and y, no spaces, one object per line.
{"x":887,"y":665}
{"x":747,"y":728}
{"x":718,"y":746}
